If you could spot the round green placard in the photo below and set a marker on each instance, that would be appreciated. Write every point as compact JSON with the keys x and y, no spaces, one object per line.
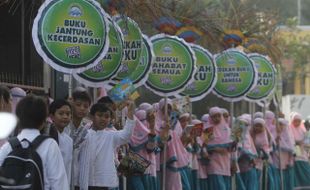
{"x":236,"y":75}
{"x":107,"y":68}
{"x":266,"y":78}
{"x":71,"y":36}
{"x":140,"y":74}
{"x":132,"y":46}
{"x":173,"y":67}
{"x":205,"y":76}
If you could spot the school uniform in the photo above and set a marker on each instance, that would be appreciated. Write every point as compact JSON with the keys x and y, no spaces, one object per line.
{"x":247,"y":154}
{"x":97,"y":168}
{"x":177,"y":160}
{"x":301,"y":164}
{"x":218,"y":168}
{"x":66,"y":149}
{"x":264,"y":148}
{"x":65,"y":144}
{"x":78,"y":136}
{"x":143,"y":144}
{"x":55,"y":176}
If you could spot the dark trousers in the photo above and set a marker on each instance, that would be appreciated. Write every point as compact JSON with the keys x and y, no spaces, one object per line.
{"x":92,"y":188}
{"x":97,"y":188}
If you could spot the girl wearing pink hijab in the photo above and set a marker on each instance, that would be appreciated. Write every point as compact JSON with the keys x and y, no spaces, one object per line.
{"x":262,"y":143}
{"x":177,"y":160}
{"x":219,"y":146}
{"x":285,"y":143}
{"x":193,"y":150}
{"x":301,"y":164}
{"x":202,"y":156}
{"x":270,"y":120}
{"x":247,"y":154}
{"x":143,"y":142}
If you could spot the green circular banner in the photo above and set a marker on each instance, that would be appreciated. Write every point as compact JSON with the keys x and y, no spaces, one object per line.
{"x":266,"y":78}
{"x":132,"y":46}
{"x":236,"y":75}
{"x":71,"y":36}
{"x":205,"y":76}
{"x":108,"y":67}
{"x":173,"y":67}
{"x":140,"y":74}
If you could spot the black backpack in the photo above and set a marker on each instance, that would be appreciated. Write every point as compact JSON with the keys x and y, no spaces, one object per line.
{"x":24,"y":165}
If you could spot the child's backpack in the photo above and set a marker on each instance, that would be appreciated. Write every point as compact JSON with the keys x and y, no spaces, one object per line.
{"x":24,"y":165}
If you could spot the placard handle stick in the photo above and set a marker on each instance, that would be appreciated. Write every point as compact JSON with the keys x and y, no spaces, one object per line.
{"x":165,"y":147}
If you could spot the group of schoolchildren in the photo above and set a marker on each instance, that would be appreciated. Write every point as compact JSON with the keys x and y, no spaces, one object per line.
{"x":86,"y":139}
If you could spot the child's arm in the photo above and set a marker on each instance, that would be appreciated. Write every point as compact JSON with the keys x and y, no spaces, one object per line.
{"x":122,"y":137}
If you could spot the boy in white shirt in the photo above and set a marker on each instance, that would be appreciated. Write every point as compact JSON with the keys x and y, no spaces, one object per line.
{"x":60,"y":113}
{"x":97,"y":168}
{"x":32,"y":112}
{"x":78,"y":128}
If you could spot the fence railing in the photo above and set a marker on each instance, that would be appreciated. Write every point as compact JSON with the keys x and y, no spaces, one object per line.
{"x":32,"y":82}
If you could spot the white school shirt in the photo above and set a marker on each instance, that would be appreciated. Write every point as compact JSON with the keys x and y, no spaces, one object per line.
{"x":55,"y":176}
{"x":78,"y":136}
{"x":66,"y":149}
{"x":97,"y":156}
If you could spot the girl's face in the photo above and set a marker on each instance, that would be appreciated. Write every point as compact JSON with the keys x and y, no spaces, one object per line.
{"x":62,"y":117}
{"x":258,"y":128}
{"x":216,"y":118}
{"x":226,"y":117}
{"x":101,"y":120}
{"x":184,"y":121}
{"x":296,"y":122}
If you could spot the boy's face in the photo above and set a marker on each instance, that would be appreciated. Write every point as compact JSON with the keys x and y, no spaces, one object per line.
{"x":101,"y":120}
{"x":80,"y":108}
{"x":62,"y":117}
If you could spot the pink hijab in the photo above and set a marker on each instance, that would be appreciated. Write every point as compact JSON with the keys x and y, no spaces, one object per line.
{"x":247,"y":142}
{"x":299,"y":131}
{"x":205,"y":120}
{"x":145,"y":106}
{"x":261,"y":142}
{"x":140,"y":131}
{"x":287,"y":140}
{"x":175,"y":148}
{"x":221,"y":131}
{"x":261,"y":139}
{"x":270,"y":118}
{"x":258,"y":115}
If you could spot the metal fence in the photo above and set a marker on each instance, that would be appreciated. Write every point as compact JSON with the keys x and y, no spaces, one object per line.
{"x":33,"y":82}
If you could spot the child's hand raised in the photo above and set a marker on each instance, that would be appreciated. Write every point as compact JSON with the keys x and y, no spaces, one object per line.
{"x":131,"y":109}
